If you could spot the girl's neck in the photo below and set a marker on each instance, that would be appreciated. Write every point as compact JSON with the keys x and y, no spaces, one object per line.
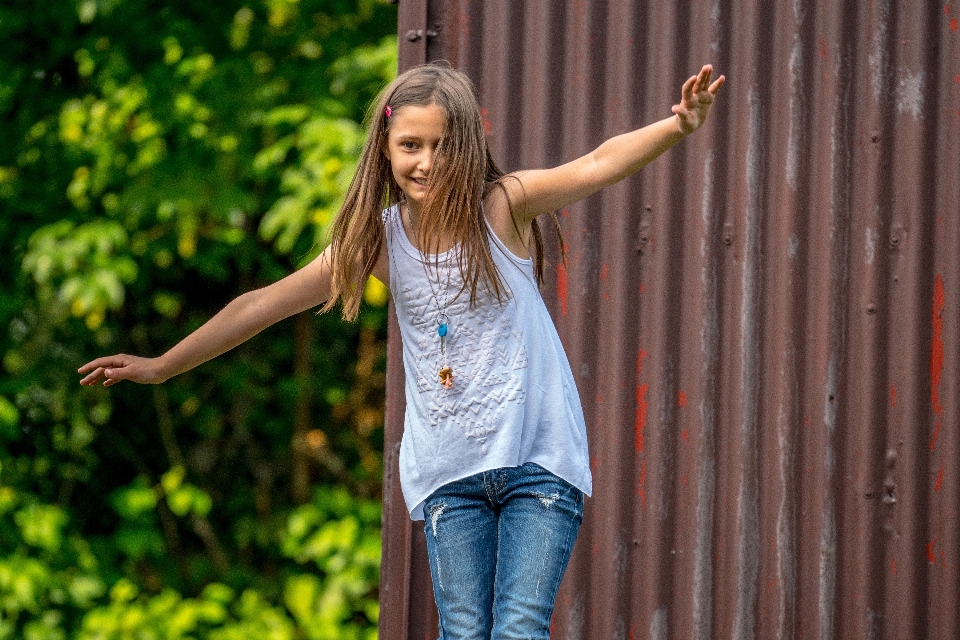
{"x":410,"y":218}
{"x":412,"y":215}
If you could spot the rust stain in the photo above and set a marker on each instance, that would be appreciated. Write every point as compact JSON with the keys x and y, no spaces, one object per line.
{"x":487,"y":127}
{"x":681,"y":399}
{"x":939,"y":483}
{"x":893,"y":396}
{"x":953,"y":24}
{"x":562,"y":288}
{"x":893,"y":567}
{"x":936,"y":358}
{"x":604,"y":272}
{"x":465,"y":22}
{"x":931,"y":556}
{"x":640,"y":419}
{"x":641,"y":490}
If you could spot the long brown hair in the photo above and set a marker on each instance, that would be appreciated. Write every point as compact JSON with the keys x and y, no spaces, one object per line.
{"x":463,"y":173}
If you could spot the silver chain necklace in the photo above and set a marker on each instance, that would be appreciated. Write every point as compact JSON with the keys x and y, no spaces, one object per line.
{"x":443,"y":321}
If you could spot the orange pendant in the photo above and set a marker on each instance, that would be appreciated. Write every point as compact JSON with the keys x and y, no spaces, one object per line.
{"x":446,"y":377}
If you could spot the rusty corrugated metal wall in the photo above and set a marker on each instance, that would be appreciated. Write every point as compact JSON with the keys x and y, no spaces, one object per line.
{"x":764,"y":324}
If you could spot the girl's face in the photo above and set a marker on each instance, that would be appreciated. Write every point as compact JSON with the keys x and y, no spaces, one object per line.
{"x":411,"y":146}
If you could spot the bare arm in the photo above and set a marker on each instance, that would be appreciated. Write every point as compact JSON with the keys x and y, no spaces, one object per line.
{"x":538,"y":191}
{"x":240,"y":320}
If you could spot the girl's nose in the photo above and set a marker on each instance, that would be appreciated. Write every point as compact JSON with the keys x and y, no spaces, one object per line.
{"x":426,"y":161}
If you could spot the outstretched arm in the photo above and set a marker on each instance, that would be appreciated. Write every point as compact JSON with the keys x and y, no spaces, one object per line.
{"x":539,"y":191}
{"x":241,"y":319}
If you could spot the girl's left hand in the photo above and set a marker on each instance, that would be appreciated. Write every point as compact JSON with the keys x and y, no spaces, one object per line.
{"x":697,"y":95}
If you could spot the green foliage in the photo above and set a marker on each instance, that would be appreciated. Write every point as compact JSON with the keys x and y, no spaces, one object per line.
{"x":159,"y":160}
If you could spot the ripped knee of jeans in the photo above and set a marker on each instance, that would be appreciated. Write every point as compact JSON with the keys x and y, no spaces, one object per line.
{"x":548,"y":500}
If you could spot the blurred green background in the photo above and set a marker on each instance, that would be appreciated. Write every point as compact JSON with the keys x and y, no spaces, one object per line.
{"x":156,"y":160}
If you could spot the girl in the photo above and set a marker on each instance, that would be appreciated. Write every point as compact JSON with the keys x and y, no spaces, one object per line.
{"x":494,"y":451}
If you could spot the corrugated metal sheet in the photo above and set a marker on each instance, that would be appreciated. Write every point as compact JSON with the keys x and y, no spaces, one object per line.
{"x":764,"y":324}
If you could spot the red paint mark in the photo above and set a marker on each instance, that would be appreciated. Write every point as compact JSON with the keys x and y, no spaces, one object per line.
{"x":604,"y":272}
{"x":643,"y":287}
{"x":893,"y":396}
{"x":606,"y":296}
{"x":931,"y":556}
{"x":936,"y":357}
{"x":593,"y":463}
{"x":682,"y":399}
{"x":643,"y":481}
{"x":683,"y":480}
{"x":939,"y":484}
{"x":822,"y":48}
{"x":893,"y":567}
{"x":956,"y":79}
{"x":640,"y":420}
{"x":562,"y":288}
{"x":953,"y":24}
{"x":640,"y":423}
{"x":685,"y":435}
{"x":487,"y":127}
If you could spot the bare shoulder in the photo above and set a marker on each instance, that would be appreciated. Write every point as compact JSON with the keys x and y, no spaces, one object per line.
{"x":503,"y":208}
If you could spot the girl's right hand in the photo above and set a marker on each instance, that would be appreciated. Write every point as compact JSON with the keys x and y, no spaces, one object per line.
{"x":113,"y":369}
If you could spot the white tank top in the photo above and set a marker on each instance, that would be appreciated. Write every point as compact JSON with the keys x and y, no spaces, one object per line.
{"x":513,"y":399}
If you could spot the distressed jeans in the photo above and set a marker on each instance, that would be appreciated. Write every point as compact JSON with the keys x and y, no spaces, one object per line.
{"x":498,"y":544}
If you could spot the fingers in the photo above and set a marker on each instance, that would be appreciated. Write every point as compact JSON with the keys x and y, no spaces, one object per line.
{"x":687,"y":91}
{"x":108,"y":369}
{"x":108,"y":376}
{"x":716,"y":85}
{"x":92,"y":378}
{"x":703,"y":78}
{"x":118,"y":360}
{"x":700,"y":84}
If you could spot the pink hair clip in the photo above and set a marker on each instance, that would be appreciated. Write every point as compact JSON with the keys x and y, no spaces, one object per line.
{"x":388,"y":111}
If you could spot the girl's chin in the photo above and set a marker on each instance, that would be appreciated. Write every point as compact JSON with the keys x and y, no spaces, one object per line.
{"x":415,"y":192}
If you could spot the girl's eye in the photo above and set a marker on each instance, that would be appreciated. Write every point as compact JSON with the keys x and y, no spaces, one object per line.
{"x":408,"y":145}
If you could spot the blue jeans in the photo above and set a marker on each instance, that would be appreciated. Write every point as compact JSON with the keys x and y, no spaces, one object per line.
{"x":498,"y":543}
